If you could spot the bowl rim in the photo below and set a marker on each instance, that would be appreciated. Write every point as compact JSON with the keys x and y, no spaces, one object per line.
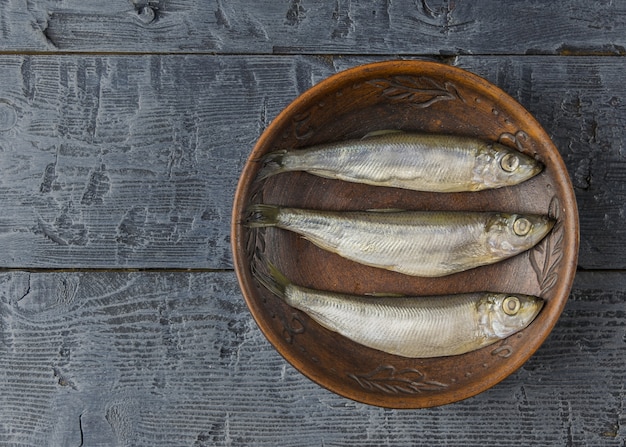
{"x":389,"y":68}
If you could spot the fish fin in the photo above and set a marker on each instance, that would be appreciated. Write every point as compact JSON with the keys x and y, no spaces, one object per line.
{"x":273,"y":280}
{"x":323,"y":244}
{"x":385,"y":210}
{"x":262,"y":216}
{"x":272,"y":164}
{"x":378,"y":133}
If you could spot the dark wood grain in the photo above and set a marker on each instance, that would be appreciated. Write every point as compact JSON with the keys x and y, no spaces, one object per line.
{"x":303,"y":26}
{"x":132,"y":161}
{"x":128,"y":161}
{"x":151,"y":359}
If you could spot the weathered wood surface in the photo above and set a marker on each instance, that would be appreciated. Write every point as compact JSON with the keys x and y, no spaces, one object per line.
{"x":123,"y":161}
{"x":150,"y":359}
{"x":305,"y":26}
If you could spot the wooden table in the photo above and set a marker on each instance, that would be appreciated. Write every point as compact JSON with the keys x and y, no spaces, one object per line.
{"x":124,"y":126}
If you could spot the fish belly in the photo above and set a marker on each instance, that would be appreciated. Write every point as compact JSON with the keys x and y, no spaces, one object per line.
{"x":416,"y":328}
{"x":413,"y":247}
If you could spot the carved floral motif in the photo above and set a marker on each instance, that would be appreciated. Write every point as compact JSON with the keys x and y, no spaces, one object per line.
{"x":420,"y":91}
{"x":389,"y":380}
{"x":293,"y":326}
{"x":503,"y":350}
{"x":519,"y":139}
{"x":546,"y":256}
{"x":302,"y":127}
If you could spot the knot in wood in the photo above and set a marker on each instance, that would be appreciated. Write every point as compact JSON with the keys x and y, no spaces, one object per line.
{"x":8,"y":116}
{"x":146,"y":14}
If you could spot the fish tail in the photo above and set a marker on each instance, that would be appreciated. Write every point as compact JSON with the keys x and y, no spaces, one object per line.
{"x":273,"y":280}
{"x":272,"y":164}
{"x":262,"y":216}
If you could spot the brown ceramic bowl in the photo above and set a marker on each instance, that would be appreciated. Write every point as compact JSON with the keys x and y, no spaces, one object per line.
{"x":412,"y":96}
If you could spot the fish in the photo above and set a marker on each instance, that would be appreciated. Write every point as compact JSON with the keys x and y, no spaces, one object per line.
{"x":415,"y":161}
{"x":416,"y":243}
{"x":411,"y":326}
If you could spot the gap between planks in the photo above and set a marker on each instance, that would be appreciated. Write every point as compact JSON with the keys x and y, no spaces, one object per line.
{"x":113,"y":270}
{"x":283,"y":52}
{"x":191,"y":270}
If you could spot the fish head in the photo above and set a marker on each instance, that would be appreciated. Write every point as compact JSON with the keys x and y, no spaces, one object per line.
{"x":504,"y":314}
{"x":498,"y":166}
{"x":510,"y":234}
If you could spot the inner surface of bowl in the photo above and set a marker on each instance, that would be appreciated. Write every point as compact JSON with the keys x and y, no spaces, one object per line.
{"x":410,"y":96}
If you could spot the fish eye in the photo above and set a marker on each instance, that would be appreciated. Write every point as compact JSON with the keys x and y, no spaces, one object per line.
{"x":509,"y":162}
{"x":522,"y":226}
{"x":511,"y":305}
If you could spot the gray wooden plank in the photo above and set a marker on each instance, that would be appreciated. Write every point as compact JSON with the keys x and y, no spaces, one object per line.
{"x":309,"y":26}
{"x":154,"y":359}
{"x":127,"y":161}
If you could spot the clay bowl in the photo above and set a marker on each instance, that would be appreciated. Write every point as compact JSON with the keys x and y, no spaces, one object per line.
{"x":412,"y":96}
